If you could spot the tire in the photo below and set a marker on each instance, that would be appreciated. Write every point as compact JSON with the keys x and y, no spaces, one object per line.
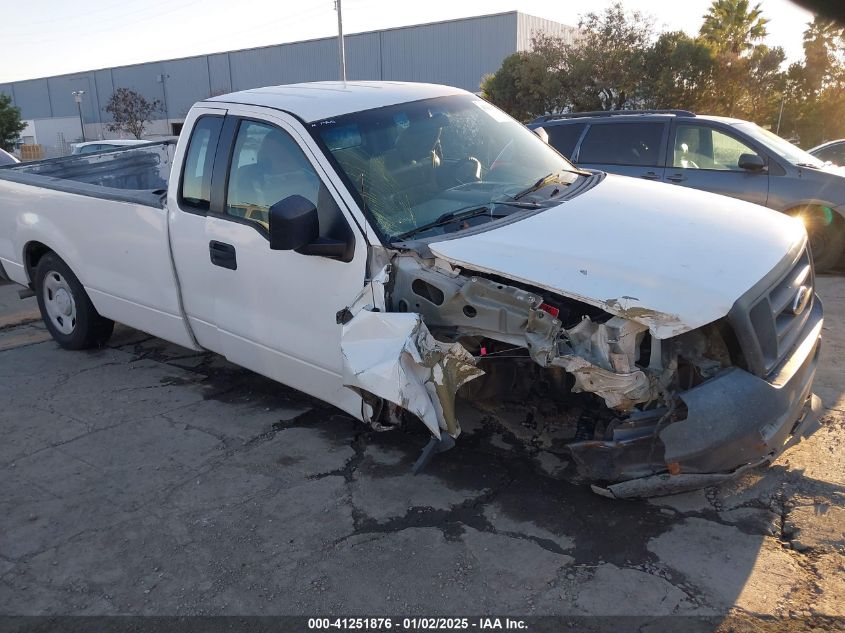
{"x":65,"y":307}
{"x":826,"y":231}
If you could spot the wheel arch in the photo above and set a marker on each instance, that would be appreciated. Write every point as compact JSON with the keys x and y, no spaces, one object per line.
{"x":794,"y":206}
{"x":33,"y":251}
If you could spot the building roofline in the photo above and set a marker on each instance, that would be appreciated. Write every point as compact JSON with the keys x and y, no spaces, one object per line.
{"x":514,"y":12}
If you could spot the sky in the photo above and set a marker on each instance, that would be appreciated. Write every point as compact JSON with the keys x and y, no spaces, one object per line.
{"x":51,"y":37}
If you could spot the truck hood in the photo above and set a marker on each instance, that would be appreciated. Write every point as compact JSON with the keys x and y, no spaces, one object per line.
{"x":671,"y":258}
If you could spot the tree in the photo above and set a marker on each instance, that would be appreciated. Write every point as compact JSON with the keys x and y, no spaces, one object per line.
{"x":731,"y":27}
{"x":604,"y":67}
{"x":528,"y":83}
{"x":616,"y":63}
{"x":765,"y":83}
{"x":130,"y":111}
{"x":814,"y":106}
{"x":10,"y":123}
{"x":679,"y":73}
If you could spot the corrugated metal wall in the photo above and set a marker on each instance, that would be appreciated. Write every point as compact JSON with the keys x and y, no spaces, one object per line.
{"x":458,"y":53}
{"x":528,"y":25}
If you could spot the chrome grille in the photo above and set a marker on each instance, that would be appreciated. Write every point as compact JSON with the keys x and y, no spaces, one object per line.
{"x":769,"y":320}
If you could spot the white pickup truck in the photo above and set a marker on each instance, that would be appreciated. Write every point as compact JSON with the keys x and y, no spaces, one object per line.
{"x":390,"y":247}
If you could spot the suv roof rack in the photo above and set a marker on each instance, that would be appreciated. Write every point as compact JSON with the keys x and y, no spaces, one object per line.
{"x":610,"y":113}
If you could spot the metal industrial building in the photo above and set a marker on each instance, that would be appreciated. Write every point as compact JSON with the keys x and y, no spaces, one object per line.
{"x":456,"y":52}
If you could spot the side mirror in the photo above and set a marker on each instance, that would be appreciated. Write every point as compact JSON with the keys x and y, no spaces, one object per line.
{"x":544,"y":136}
{"x":295,"y":226}
{"x":751,"y":162}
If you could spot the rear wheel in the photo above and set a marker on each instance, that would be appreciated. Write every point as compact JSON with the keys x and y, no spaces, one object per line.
{"x":65,"y":307}
{"x":826,"y":231}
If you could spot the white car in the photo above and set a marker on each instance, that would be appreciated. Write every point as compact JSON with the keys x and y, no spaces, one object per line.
{"x":385,"y":246}
{"x":89,"y":147}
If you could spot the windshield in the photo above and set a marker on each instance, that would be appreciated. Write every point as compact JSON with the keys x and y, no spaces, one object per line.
{"x":414,"y":164}
{"x":780,"y":146}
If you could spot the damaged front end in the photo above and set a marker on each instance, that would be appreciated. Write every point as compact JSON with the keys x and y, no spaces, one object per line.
{"x":634,"y":414}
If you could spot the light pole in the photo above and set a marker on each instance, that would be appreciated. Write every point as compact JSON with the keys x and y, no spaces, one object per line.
{"x":341,"y":50}
{"x":162,"y":79}
{"x":77,"y":96}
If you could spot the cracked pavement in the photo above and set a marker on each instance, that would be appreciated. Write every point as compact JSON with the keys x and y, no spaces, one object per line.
{"x":146,"y":479}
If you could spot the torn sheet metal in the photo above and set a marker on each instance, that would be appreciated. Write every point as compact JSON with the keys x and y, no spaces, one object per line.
{"x":395,"y":357}
{"x":602,"y":358}
{"x":371,"y":296}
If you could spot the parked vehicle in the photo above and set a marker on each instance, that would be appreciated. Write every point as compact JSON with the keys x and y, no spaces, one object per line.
{"x":832,"y":151}
{"x":89,"y":147}
{"x":6,"y":158}
{"x":384,"y":246}
{"x":727,"y":156}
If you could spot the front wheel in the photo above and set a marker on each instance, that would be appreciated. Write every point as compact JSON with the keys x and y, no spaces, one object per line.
{"x":65,"y":307}
{"x":826,"y":231}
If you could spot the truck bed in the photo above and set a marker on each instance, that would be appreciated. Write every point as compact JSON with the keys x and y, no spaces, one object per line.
{"x":136,"y":174}
{"x":104,"y":214}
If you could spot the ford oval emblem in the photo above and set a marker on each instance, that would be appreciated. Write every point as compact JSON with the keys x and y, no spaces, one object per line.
{"x":802,"y":298}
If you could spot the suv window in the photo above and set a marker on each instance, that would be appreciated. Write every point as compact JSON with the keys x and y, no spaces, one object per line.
{"x":834,"y":153}
{"x":629,"y":143}
{"x":267,"y":166}
{"x":701,"y":147}
{"x":564,"y":137}
{"x":196,"y":175}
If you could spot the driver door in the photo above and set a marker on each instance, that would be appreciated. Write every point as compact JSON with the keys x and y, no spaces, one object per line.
{"x":705,"y":157}
{"x":275,"y":311}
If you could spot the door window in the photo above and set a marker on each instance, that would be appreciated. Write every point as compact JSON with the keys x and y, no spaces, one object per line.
{"x":267,"y":166}
{"x":564,"y":137}
{"x":835,"y":154}
{"x":634,"y":143}
{"x":196,"y":175}
{"x":700,"y":147}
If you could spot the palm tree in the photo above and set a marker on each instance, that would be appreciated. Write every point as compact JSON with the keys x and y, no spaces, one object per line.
{"x":730,"y":26}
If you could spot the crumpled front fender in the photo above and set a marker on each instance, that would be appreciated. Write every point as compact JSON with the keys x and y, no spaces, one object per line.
{"x":395,"y":357}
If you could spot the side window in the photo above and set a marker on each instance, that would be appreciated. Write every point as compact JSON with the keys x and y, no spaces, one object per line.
{"x":634,"y":143}
{"x":267,"y":166}
{"x":196,"y":175}
{"x":700,"y":147}
{"x":835,"y":154}
{"x":564,"y":137}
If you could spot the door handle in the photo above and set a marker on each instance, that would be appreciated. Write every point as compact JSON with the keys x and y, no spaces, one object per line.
{"x":223,"y":255}
{"x":676,"y":177}
{"x":651,"y":175}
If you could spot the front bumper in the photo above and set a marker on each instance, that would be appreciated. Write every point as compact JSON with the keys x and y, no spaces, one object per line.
{"x":735,"y":421}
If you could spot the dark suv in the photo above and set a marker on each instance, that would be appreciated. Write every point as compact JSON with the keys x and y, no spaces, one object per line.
{"x":728,"y":156}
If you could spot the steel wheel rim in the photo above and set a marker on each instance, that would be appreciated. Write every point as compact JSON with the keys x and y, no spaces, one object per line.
{"x":59,"y":303}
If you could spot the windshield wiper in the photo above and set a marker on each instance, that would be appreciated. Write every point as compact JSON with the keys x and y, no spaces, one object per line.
{"x":448,"y":218}
{"x":542,"y":182}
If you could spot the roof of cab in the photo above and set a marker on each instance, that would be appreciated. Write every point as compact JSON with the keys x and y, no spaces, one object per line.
{"x":323,"y":99}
